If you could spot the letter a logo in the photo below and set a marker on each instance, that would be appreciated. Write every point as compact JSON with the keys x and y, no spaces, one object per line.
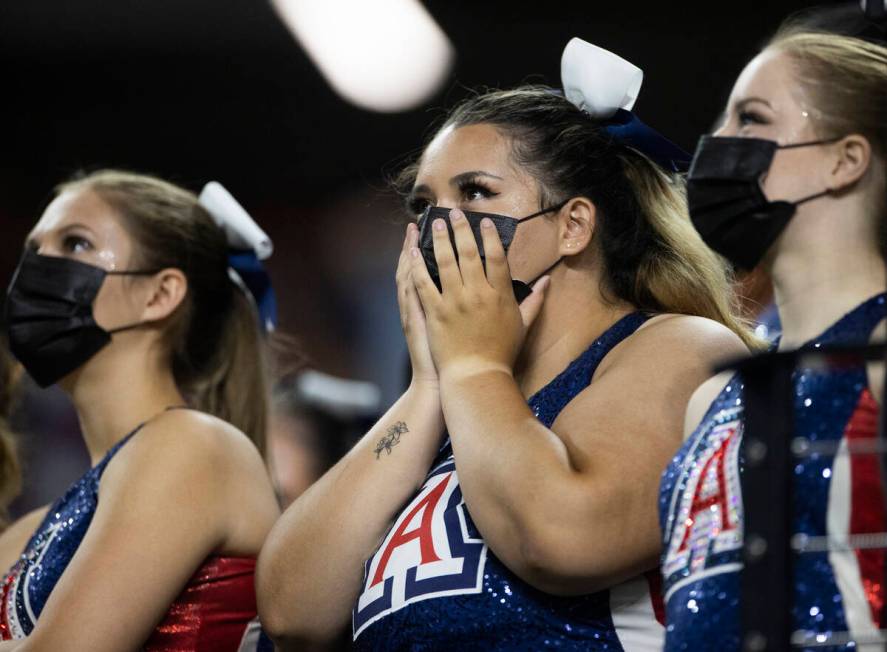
{"x":425,"y":507}
{"x":432,"y":550}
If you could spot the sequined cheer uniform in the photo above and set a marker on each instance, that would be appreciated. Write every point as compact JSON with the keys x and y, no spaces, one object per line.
{"x":700,"y":507}
{"x":433,"y":584}
{"x":215,"y":612}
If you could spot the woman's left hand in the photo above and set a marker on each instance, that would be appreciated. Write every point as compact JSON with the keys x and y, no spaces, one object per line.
{"x":475,"y":324}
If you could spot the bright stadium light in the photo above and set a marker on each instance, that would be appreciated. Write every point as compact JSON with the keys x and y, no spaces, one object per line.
{"x":382,"y":55}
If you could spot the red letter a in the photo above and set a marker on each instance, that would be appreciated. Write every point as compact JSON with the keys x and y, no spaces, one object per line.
{"x":423,"y":532}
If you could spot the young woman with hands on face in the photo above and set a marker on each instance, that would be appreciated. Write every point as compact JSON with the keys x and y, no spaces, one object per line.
{"x":507,"y":500}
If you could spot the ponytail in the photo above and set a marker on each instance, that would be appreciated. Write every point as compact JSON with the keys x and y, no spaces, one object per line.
{"x":679,"y":273}
{"x":234,"y":384}
{"x":217,"y":351}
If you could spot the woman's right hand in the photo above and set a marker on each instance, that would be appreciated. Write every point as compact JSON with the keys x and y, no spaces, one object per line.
{"x":412,"y":317}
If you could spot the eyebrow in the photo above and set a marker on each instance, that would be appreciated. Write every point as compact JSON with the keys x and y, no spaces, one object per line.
{"x":31,"y":241}
{"x":749,"y":100}
{"x":457,"y":180}
{"x":467,"y":176}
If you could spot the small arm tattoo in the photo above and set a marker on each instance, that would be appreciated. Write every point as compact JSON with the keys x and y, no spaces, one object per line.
{"x":391,"y":438}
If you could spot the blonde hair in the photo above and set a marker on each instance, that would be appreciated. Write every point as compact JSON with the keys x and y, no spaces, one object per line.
{"x":216,"y":350}
{"x":846,"y":78}
{"x":684,"y":276}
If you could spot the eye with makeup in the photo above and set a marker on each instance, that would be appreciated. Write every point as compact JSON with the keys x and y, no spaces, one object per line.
{"x":416,"y":205}
{"x":75,"y":244}
{"x":747,"y":118}
{"x":471,"y":189}
{"x":474,"y":190}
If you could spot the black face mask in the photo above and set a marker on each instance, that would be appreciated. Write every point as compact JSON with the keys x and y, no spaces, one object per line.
{"x":726,"y":203}
{"x":505,"y":226}
{"x":48,"y":315}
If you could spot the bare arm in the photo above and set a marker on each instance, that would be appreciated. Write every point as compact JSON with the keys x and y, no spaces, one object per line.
{"x":165,"y":504}
{"x":17,"y":535}
{"x":310,"y":570}
{"x":702,"y":399}
{"x":570,"y":509}
{"x":319,"y":546}
{"x":573,"y":509}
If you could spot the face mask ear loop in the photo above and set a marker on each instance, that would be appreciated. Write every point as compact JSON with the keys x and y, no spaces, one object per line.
{"x":135,"y":272}
{"x":817,"y":195}
{"x":550,"y":267}
{"x":130,"y":273}
{"x":550,"y":209}
{"x":811,"y":143}
{"x":794,"y":146}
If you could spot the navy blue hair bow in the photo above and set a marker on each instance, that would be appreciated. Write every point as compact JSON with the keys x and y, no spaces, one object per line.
{"x":249,"y":246}
{"x":627,"y":128}
{"x":606,"y":86}
{"x":256,"y":280}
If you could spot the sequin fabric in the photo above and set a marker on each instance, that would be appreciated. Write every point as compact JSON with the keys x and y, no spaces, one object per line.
{"x":491,"y":609}
{"x":700,"y":503}
{"x":30,"y":581}
{"x":213,"y":612}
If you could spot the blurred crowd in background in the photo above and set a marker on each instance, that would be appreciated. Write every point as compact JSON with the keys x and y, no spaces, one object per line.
{"x":196,"y":90}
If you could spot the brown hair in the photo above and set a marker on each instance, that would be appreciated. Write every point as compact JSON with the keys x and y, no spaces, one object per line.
{"x":653,"y":257}
{"x":216,"y":350}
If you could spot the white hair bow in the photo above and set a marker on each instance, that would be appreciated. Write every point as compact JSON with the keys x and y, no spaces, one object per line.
{"x":241,"y":230}
{"x":249,"y":245}
{"x":598,"y":81}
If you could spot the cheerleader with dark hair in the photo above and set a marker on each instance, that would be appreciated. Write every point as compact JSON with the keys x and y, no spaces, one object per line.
{"x":558,"y":307}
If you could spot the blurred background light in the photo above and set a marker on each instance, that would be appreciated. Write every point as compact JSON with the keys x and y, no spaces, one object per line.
{"x":194,"y":90}
{"x":382,"y":55}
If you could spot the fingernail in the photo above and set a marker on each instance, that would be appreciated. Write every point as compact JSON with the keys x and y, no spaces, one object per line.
{"x":487,"y":223}
{"x":414,"y":252}
{"x":439,"y":225}
{"x":456,"y":215}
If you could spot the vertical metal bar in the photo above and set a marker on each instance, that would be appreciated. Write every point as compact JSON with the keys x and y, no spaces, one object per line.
{"x":766,"y":581}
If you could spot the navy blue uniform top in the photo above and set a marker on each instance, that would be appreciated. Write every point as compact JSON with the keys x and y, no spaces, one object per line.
{"x":700,"y":508}
{"x":433,"y":584}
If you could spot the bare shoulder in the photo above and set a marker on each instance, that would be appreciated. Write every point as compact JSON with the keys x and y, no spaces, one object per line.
{"x":207,"y":468}
{"x":192,"y":438}
{"x":671,"y":339}
{"x":657,"y":370}
{"x":187,"y":444}
{"x":16,"y":536}
{"x":690,"y":332}
{"x":702,"y":399}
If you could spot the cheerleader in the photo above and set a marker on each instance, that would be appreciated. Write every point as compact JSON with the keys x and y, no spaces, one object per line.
{"x":793,"y":181}
{"x":507,"y":499}
{"x":124,"y":297}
